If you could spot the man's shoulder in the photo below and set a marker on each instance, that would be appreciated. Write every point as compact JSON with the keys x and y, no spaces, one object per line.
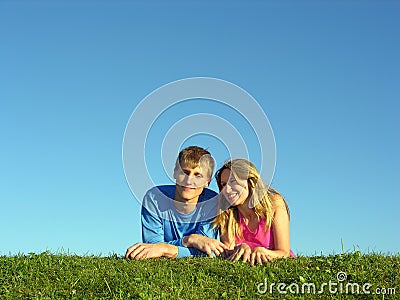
{"x":157,"y":199}
{"x":161,"y":190}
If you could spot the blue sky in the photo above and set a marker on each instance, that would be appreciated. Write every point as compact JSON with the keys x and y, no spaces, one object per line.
{"x":326,"y":73}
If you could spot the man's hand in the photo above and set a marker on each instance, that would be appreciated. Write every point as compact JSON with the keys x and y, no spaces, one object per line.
{"x":142,"y":251}
{"x":204,"y":244}
{"x":242,"y":251}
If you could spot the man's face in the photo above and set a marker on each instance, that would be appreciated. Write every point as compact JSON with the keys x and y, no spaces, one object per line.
{"x":190,"y":182}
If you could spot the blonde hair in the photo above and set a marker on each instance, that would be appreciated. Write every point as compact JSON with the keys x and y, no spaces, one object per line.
{"x":260,"y":200}
{"x":194,"y":156}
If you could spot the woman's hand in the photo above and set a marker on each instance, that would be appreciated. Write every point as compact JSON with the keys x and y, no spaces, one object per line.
{"x":242,"y":252}
{"x":261,"y":255}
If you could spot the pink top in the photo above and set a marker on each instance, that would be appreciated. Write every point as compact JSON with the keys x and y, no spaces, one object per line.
{"x":257,"y":238}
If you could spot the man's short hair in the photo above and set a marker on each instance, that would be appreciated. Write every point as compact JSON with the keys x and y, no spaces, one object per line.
{"x":194,"y":156}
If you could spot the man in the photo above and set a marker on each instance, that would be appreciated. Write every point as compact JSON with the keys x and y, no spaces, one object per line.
{"x":176,"y":219}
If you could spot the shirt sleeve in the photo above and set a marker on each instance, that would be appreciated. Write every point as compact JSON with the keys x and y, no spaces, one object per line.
{"x":153,"y":231}
{"x":185,"y":251}
{"x":152,"y":228}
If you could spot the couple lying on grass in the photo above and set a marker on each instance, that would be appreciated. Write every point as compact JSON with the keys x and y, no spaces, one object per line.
{"x":185,"y":219}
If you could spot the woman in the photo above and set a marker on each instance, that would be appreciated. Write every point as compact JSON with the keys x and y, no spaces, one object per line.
{"x":255,"y":227}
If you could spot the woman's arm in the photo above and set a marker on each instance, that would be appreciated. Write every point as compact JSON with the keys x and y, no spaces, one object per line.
{"x":281,"y":227}
{"x":281,"y":233}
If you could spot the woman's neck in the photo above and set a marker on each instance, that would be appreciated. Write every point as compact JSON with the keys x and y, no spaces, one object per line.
{"x":247,"y":212}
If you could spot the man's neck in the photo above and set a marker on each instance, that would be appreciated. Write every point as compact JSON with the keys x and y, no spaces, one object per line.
{"x":185,"y":206}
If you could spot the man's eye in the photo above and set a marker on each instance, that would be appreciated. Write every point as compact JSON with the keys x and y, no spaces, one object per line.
{"x":199,"y":176}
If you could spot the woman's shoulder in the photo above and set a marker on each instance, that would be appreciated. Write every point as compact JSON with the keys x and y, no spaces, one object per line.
{"x":276,"y":199}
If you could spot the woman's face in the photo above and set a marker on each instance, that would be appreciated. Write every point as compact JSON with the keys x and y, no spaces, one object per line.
{"x":234,"y":189}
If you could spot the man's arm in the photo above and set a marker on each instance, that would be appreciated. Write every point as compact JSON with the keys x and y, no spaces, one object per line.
{"x":143,"y":251}
{"x":198,"y":244}
{"x":153,"y":236}
{"x":153,"y":245}
{"x":153,"y":233}
{"x":205,"y":240}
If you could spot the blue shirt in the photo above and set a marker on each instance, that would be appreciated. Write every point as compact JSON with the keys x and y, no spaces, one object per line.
{"x":163,"y":223}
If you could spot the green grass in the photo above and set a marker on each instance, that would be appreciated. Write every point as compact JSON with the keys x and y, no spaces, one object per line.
{"x":49,"y":276}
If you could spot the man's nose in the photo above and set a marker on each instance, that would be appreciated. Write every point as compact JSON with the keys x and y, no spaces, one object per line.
{"x":189,"y":179}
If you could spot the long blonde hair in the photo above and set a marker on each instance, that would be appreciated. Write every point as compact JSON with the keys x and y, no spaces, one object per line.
{"x":227,"y":220}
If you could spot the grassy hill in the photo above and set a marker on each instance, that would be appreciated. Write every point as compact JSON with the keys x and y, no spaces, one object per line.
{"x":346,"y":276}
